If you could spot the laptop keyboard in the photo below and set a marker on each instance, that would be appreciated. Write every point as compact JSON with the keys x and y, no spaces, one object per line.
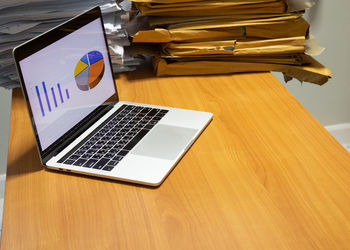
{"x":108,"y":144}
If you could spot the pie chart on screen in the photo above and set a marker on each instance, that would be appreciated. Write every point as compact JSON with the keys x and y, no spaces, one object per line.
{"x":89,"y":70}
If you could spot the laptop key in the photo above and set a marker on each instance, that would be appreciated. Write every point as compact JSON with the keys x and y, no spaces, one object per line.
{"x":152,"y":113}
{"x":114,"y":130}
{"x":112,"y":163}
{"x":108,"y":168}
{"x":122,"y":142}
{"x":74,"y":157}
{"x":149,"y":126}
{"x":145,"y":110}
{"x":110,"y":144}
{"x":129,"y":107}
{"x":136,"y":139}
{"x":101,"y":163}
{"x":113,"y":151}
{"x":106,"y":147}
{"x":106,"y":138}
{"x":92,"y":151}
{"x":69,"y":162}
{"x":90,"y":142}
{"x":127,"y":137}
{"x":163,"y":111}
{"x":86,"y":156}
{"x":79,"y":162}
{"x":90,"y":163}
{"x":152,"y":122}
{"x":123,"y":152}
{"x":109,"y":155}
{"x":123,"y":106}
{"x":97,"y":156}
{"x":117,"y":158}
{"x":80,"y":152}
{"x":102,"y":151}
{"x":99,"y":134}
{"x":84,"y":147}
{"x":118,"y":147}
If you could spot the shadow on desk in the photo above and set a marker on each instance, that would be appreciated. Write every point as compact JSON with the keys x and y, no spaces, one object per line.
{"x":28,"y":162}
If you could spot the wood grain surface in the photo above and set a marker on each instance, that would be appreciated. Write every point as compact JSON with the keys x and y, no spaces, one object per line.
{"x":263,"y":175}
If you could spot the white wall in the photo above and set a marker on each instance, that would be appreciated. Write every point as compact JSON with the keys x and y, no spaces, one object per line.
{"x":5,"y":103}
{"x":330,"y":103}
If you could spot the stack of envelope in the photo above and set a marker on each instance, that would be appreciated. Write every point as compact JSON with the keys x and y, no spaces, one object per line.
{"x":191,"y":37}
{"x":21,"y":20}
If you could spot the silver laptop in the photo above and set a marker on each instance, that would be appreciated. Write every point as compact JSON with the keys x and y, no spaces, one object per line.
{"x":79,"y":124}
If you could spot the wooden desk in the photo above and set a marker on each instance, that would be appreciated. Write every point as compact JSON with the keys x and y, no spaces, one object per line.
{"x":264,"y":175}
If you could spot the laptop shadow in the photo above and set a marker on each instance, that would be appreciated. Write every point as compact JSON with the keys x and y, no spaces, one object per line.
{"x":27,"y":162}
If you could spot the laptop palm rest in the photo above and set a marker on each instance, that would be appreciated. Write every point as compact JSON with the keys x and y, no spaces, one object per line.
{"x":165,"y":142}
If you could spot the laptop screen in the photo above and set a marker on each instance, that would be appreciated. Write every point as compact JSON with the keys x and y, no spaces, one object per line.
{"x":67,"y":80}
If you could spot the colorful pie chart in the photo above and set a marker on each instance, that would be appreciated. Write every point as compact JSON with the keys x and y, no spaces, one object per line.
{"x":89,"y":70}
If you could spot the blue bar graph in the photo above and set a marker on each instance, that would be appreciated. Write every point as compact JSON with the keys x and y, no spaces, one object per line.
{"x":53,"y":92}
{"x":40,"y":102}
{"x":54,"y":97}
{"x":59,"y":90}
{"x":47,"y":97}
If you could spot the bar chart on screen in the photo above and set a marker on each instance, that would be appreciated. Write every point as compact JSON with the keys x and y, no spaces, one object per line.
{"x":50,"y":98}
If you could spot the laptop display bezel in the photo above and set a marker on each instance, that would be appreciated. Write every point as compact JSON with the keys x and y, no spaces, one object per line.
{"x":34,"y":45}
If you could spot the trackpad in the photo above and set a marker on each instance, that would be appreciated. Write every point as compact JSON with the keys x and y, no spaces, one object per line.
{"x":165,"y":142}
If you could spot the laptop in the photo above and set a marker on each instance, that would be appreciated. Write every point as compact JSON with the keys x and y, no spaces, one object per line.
{"x":80,"y":125}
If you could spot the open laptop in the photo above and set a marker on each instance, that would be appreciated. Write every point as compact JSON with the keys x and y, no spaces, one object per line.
{"x":80,"y":125}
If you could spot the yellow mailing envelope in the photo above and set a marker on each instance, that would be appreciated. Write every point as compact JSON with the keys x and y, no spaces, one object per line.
{"x":164,"y":36}
{"x":213,"y":10}
{"x":313,"y":72}
{"x":280,"y":46}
